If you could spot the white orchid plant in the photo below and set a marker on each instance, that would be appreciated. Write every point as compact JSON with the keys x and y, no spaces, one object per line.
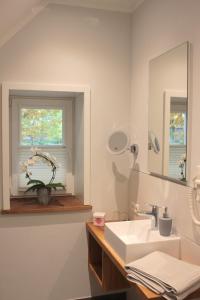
{"x":45,"y":157}
{"x":181,"y":164}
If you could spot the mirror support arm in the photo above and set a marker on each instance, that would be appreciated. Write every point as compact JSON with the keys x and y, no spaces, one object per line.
{"x":134,"y":148}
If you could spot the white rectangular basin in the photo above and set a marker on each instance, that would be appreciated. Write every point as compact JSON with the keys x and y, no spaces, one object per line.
{"x":134,"y":239}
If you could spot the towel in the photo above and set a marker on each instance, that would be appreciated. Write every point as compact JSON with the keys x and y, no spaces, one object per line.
{"x":165,"y":275}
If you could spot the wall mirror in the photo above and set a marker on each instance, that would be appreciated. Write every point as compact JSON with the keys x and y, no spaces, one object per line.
{"x":168,"y":114}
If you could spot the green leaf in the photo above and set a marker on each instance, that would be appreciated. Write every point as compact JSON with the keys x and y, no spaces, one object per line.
{"x":35,"y":181}
{"x":55,"y":186}
{"x":35,"y":187}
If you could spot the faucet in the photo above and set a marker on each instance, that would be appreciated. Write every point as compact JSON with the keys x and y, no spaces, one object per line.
{"x":154,"y":213}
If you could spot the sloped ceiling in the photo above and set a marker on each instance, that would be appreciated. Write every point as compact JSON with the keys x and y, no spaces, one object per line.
{"x":15,"y":14}
{"x":11,"y":12}
{"x":115,"y":5}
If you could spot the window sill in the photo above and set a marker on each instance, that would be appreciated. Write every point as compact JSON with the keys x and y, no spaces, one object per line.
{"x":60,"y":204}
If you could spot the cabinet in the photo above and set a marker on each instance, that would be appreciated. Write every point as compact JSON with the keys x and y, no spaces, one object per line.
{"x":103,"y":268}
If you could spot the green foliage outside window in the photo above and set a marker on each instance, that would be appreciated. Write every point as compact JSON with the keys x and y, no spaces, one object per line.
{"x":40,"y":126}
{"x":177,"y":128}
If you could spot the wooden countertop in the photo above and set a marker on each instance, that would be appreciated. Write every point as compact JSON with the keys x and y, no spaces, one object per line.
{"x":142,"y":292}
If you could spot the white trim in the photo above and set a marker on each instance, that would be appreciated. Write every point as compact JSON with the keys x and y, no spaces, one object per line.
{"x":7,"y":88}
{"x":189,"y":117}
{"x":5,"y":147}
{"x":166,"y":117}
{"x":87,"y":147}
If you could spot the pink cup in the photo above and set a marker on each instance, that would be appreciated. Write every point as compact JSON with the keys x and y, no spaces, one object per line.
{"x":99,"y":218}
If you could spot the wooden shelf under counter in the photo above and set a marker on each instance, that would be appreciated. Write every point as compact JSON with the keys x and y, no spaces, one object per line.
{"x":106,"y":273}
{"x":108,"y":268}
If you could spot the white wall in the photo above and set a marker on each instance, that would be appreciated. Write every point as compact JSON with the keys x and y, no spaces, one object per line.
{"x":45,"y":256}
{"x":160,"y":25}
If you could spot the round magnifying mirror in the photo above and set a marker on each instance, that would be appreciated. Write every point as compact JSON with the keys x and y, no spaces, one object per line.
{"x":118,"y":142}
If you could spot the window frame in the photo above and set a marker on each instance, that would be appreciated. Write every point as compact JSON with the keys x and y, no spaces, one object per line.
{"x":168,"y":94}
{"x":17,"y":103}
{"x":8,"y":89}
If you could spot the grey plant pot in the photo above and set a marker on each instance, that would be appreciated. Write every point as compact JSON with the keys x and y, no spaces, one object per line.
{"x":44,"y":196}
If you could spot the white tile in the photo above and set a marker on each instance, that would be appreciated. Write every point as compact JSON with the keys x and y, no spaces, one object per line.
{"x":190,"y":251}
{"x":148,"y":189}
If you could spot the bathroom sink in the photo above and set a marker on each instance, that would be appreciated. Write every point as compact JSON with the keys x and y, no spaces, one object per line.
{"x":134,"y":239}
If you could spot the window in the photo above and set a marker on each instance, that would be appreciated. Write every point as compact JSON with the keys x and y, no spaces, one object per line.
{"x":46,"y":124}
{"x":178,"y":128}
{"x":177,"y":135}
{"x":41,"y":127}
{"x":77,"y":158}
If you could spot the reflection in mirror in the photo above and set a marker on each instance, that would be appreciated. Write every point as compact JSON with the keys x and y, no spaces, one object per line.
{"x":168,"y":103}
{"x":153,"y":142}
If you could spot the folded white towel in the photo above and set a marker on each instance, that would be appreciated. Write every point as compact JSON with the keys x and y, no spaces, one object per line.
{"x":165,"y":275}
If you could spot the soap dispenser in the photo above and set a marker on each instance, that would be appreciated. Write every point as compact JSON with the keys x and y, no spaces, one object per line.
{"x":165,"y":223}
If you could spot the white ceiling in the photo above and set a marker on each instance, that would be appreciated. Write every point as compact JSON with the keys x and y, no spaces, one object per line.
{"x":15,"y":14}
